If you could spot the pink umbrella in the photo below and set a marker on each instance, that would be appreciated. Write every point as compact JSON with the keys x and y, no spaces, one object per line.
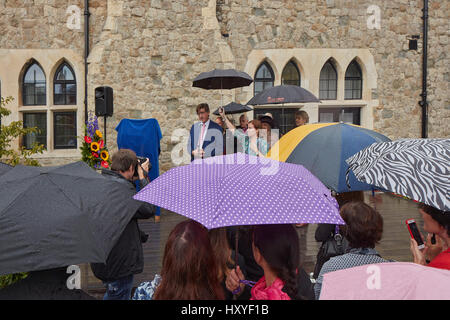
{"x":387,"y":281}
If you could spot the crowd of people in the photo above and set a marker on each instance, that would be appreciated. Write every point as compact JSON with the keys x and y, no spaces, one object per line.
{"x":198,"y":264}
{"x":211,"y":138}
{"x":264,"y":262}
{"x":260,"y":262}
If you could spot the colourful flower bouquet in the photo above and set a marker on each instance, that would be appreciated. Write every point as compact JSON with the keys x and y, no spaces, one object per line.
{"x":93,"y":150}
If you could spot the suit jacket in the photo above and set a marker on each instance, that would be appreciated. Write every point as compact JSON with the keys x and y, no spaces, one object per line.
{"x":213,"y":143}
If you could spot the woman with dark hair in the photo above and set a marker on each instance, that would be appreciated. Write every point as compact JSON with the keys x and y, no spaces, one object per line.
{"x":250,"y":270}
{"x":363,"y":229}
{"x":435,"y":222}
{"x":326,"y":232}
{"x":189,"y":270}
{"x":224,"y":257}
{"x":276,"y":250}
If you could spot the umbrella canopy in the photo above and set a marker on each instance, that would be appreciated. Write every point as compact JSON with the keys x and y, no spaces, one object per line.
{"x":415,"y":168}
{"x":4,"y":168}
{"x":44,"y":285}
{"x":233,"y":108}
{"x":387,"y":281}
{"x":322,"y":148}
{"x":52,"y":217}
{"x":222,"y":79}
{"x":283,"y":94}
{"x":238,"y":189}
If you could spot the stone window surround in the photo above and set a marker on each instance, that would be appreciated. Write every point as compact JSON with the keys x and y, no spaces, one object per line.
{"x":310,"y":63}
{"x":17,"y":61}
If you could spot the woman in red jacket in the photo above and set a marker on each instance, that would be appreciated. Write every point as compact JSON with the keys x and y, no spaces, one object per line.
{"x":436,"y":222}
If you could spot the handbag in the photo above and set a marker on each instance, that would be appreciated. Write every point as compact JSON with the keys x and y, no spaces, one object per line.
{"x":334,"y":246}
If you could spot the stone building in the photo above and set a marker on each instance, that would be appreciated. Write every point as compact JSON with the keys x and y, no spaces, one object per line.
{"x":354,"y":55}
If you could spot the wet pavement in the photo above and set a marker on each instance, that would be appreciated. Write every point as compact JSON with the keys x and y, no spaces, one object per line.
{"x":393,"y":245}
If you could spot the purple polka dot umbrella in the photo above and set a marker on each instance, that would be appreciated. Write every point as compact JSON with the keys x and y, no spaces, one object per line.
{"x":238,"y":189}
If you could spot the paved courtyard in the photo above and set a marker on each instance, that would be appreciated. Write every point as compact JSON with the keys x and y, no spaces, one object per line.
{"x":394,"y":244}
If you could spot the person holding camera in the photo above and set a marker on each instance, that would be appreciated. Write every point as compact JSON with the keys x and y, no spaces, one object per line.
{"x":126,"y":258}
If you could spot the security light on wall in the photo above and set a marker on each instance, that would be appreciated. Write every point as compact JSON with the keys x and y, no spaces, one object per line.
{"x":413,"y":42}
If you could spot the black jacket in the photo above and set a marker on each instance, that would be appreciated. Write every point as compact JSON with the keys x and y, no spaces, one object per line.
{"x":253,"y":271}
{"x":44,"y":285}
{"x":324,"y":232}
{"x":127,"y":256}
{"x":305,"y":286}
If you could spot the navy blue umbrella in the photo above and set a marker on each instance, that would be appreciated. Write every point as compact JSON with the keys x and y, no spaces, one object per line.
{"x":322,"y":148}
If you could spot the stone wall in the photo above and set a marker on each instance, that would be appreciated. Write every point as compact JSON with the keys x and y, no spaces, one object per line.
{"x":343,"y":24}
{"x":150,"y":55}
{"x":42,"y":24}
{"x":150,"y":51}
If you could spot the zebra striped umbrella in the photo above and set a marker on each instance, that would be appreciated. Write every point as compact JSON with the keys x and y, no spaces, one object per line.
{"x":415,"y":168}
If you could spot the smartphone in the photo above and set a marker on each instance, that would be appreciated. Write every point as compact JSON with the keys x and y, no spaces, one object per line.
{"x":414,"y":232}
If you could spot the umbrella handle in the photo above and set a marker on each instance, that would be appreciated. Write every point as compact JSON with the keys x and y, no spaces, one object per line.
{"x":236,"y":248}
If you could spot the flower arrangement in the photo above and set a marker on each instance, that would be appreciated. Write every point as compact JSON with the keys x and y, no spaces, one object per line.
{"x":93,"y":149}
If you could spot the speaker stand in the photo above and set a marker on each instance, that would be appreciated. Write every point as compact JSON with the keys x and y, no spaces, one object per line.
{"x":105,"y":130}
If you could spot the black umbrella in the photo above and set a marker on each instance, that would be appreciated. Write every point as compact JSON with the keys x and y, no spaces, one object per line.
{"x":283,"y":94}
{"x":44,"y":285}
{"x":4,"y":168}
{"x":222,"y":79}
{"x":52,"y":217}
{"x":233,"y":108}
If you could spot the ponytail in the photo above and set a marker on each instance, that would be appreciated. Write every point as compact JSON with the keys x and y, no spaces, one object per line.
{"x":289,"y":277}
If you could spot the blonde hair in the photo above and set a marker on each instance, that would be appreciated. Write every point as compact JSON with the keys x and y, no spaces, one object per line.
{"x":302,"y":114}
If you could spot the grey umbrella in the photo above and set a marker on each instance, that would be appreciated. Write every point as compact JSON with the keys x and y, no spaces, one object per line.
{"x":4,"y":168}
{"x":58,"y":216}
{"x":283,"y":94}
{"x":233,"y":108}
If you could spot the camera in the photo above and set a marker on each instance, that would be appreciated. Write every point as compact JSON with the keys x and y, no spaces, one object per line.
{"x":140,"y":161}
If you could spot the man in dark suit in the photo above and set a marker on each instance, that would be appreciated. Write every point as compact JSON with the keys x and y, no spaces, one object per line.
{"x":205,"y":138}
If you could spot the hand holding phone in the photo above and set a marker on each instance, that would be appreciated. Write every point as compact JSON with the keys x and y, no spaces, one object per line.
{"x":415,"y":233}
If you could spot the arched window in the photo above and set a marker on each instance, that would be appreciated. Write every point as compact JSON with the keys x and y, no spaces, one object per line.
{"x":34,"y":87}
{"x":65,"y":86}
{"x":290,"y":75}
{"x":353,"y":81}
{"x":264,"y":78}
{"x":328,"y":82}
